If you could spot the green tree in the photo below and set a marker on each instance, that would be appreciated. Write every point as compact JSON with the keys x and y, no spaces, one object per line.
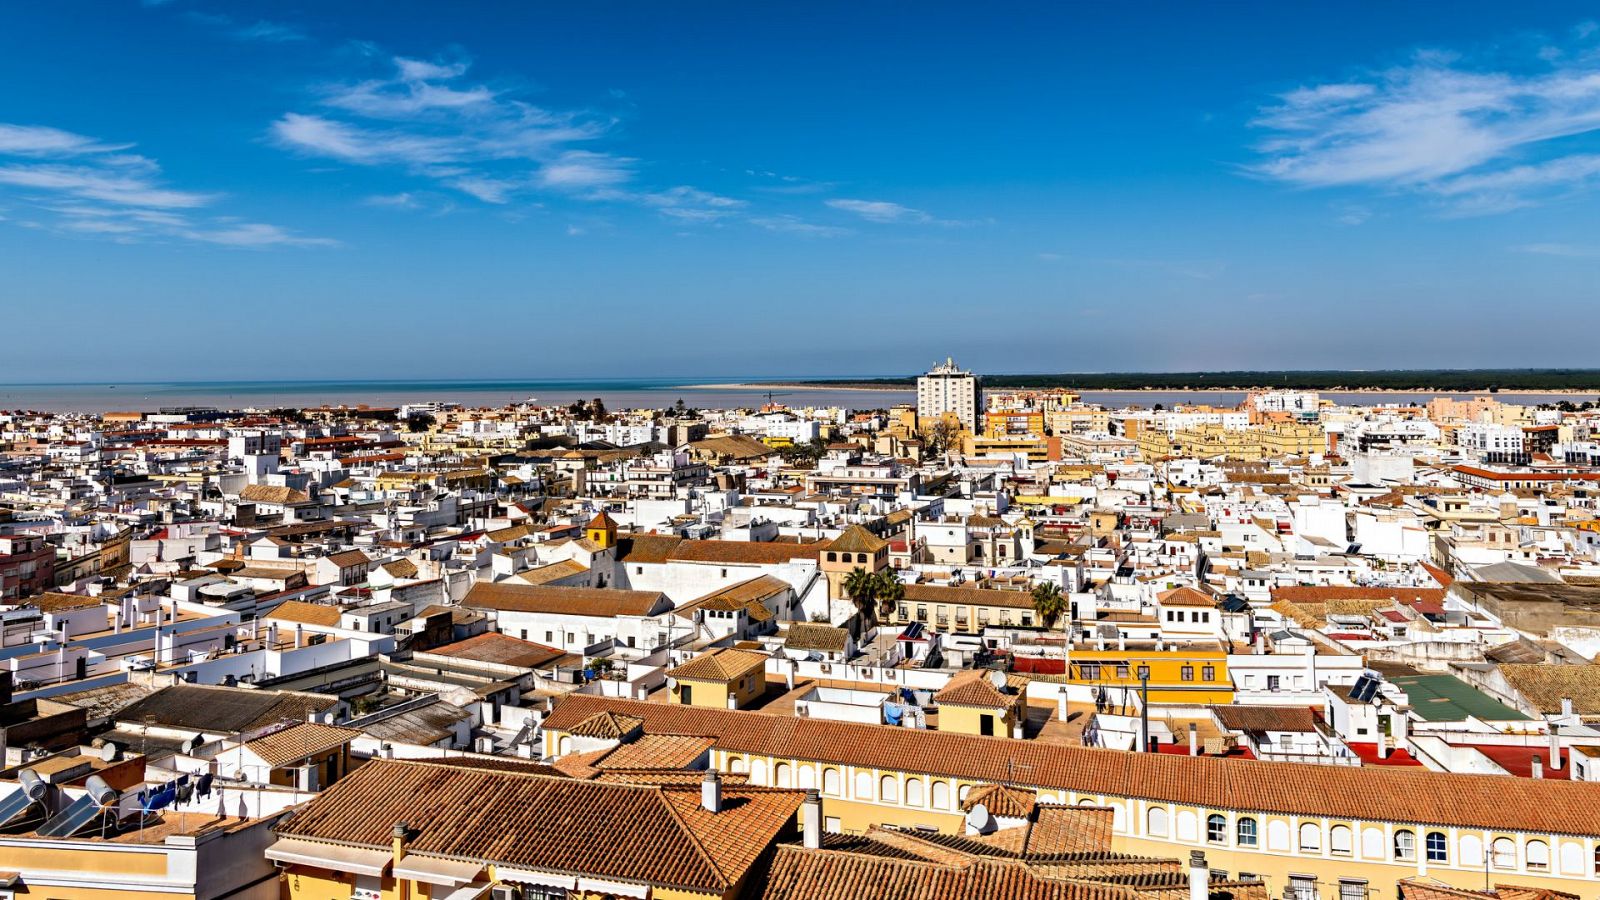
{"x":890,"y":592}
{"x":861,"y":587}
{"x":420,"y":421}
{"x":1049,"y":603}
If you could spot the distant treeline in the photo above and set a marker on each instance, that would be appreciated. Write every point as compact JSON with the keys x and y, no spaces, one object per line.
{"x":1423,"y":380}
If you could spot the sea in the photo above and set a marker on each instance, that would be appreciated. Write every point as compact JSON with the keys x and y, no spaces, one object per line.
{"x":616,"y":393}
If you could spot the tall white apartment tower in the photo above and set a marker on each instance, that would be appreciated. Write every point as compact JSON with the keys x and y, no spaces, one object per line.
{"x":948,"y":389}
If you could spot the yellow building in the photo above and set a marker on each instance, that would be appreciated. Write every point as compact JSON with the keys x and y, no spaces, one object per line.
{"x":602,"y":531}
{"x":984,"y":703}
{"x":1182,"y":674}
{"x":412,"y":830}
{"x":1353,"y":831}
{"x":1037,"y":447}
{"x":855,"y":548}
{"x":721,"y":679}
{"x":965,"y":609}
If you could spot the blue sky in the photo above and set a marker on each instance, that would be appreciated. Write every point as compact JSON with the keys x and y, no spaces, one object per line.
{"x":199,"y":190}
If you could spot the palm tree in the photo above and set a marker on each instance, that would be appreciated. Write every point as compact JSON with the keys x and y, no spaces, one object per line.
{"x":862,"y":587}
{"x":1049,"y":603}
{"x":890,"y":592}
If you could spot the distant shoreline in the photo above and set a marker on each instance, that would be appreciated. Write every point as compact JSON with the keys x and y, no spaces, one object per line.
{"x":904,"y":388}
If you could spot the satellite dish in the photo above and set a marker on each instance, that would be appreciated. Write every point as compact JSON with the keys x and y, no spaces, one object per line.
{"x":978,"y":817}
{"x":108,"y":752}
{"x":998,"y":679}
{"x":672,"y":683}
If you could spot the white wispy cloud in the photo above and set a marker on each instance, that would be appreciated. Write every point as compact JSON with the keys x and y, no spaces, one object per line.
{"x":788,"y":224}
{"x":269,"y":32}
{"x":403,"y":200}
{"x":427,"y":119}
{"x":93,"y":187}
{"x":260,"y":30}
{"x":1475,"y":139}
{"x":41,"y":140}
{"x":577,"y":169}
{"x":881,"y":211}
{"x":1569,"y":251}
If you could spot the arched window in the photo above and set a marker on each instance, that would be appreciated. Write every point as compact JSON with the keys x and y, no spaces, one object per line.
{"x":864,"y":785}
{"x":565,"y":746}
{"x":808,"y":778}
{"x":941,"y":795}
{"x":785,"y":776}
{"x":1341,"y":842}
{"x":1503,"y":853}
{"x":737,"y":766}
{"x":1597,"y":860}
{"x":1537,"y":856}
{"x":1405,"y":845}
{"x":1156,"y":821}
{"x":914,"y":792}
{"x":888,"y":789}
{"x":1217,"y":828}
{"x":1438,"y":848}
{"x":830,"y":781}
{"x":758,"y":771}
{"x":1246,"y":832}
{"x":1469,"y":852}
{"x":1310,"y":838}
{"x":962,"y":794}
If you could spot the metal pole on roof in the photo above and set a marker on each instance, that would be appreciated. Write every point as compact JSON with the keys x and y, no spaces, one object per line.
{"x":1144,"y":710}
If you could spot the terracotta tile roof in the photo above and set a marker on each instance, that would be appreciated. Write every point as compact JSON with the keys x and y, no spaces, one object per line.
{"x":1545,"y":685}
{"x":723,"y":666}
{"x":299,"y":741}
{"x":609,"y":725}
{"x":1001,"y":800}
{"x":494,"y":647}
{"x":856,"y":539}
{"x":506,"y":535}
{"x":656,"y":751}
{"x":277,"y":494}
{"x":975,"y":688}
{"x":54,"y":602}
{"x":401,"y":568}
{"x":811,"y":636}
{"x":1412,"y":795}
{"x":1185,"y":596}
{"x":1258,"y":719}
{"x":299,"y":611}
{"x":646,"y":548}
{"x":747,"y":553}
{"x":555,"y":571}
{"x":348,"y":559}
{"x":801,"y":874}
{"x":569,"y":601}
{"x":968,"y":596}
{"x":656,"y":835}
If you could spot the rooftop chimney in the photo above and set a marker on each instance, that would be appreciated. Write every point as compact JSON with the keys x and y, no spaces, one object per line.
{"x":399,"y":833}
{"x":1555,"y":748}
{"x":1566,"y":706}
{"x":1538,"y":767}
{"x":1199,"y":876}
{"x":1194,"y":740}
{"x":711,"y":792}
{"x":811,"y":820}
